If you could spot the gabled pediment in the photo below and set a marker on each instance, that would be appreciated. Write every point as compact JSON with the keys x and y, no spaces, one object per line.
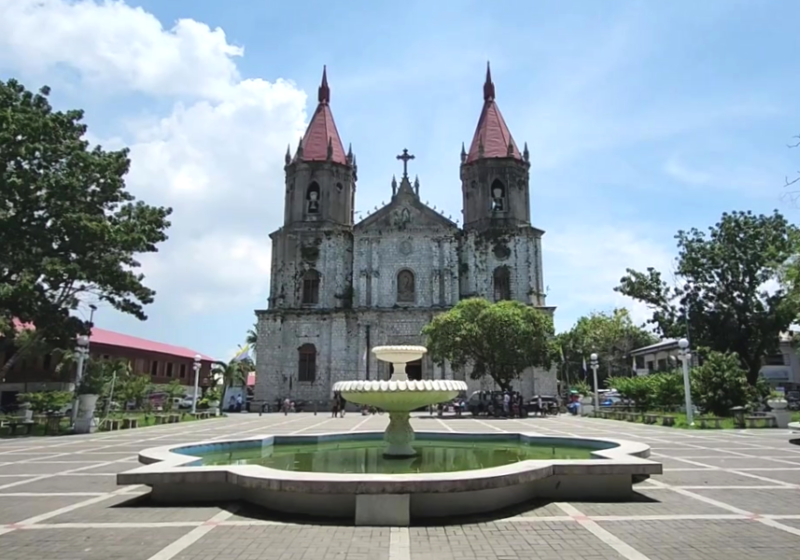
{"x":405,"y":212}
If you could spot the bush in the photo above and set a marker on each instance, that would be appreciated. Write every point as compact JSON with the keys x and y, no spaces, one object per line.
{"x":46,"y":402}
{"x":582,"y":387}
{"x":720,"y":384}
{"x":668,"y":392}
{"x":639,"y":389}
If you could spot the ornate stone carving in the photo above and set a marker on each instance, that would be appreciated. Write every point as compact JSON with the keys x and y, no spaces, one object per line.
{"x":401,"y":218}
{"x":406,"y":247}
{"x":501,"y":252}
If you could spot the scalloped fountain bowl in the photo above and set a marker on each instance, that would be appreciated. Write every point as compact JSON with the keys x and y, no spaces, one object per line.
{"x":399,"y":396}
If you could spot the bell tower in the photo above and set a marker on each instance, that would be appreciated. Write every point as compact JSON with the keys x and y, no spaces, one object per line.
{"x":494,"y":174}
{"x":312,"y":253}
{"x":320,"y":177}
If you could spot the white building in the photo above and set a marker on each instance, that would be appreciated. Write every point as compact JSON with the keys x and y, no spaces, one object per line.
{"x":781,"y":369}
{"x":339,"y":288}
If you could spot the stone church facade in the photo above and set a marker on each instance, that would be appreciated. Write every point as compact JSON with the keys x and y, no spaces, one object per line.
{"x":341,"y":287}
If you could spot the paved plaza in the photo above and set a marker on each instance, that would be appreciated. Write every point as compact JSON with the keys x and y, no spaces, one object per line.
{"x":724,"y":495}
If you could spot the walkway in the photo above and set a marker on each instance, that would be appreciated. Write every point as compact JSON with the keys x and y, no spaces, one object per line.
{"x":723,"y":495}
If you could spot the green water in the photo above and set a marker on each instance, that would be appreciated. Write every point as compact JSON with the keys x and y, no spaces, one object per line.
{"x":366,"y":457}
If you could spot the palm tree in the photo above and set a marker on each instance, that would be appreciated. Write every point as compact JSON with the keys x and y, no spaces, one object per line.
{"x":252,"y":335}
{"x":230,"y":374}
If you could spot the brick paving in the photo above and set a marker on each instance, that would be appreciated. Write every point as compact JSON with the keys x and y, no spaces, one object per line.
{"x":724,"y":494}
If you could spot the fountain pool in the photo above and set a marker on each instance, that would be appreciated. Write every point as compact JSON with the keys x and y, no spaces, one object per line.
{"x":366,"y":456}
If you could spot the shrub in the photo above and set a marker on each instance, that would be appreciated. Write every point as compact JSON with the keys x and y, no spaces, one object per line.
{"x":639,"y":389}
{"x":46,"y":402}
{"x":720,"y":384}
{"x":582,"y":387}
{"x":668,"y":390}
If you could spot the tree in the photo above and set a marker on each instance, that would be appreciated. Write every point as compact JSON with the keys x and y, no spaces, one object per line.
{"x":68,"y":227}
{"x":133,"y":388}
{"x":610,"y":335}
{"x":719,"y":384}
{"x":230,"y":374}
{"x":252,"y":335}
{"x":722,"y":296}
{"x":496,"y":339}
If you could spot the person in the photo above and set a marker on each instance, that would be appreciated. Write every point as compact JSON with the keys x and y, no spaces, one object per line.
{"x":539,"y":405}
{"x":342,"y":404}
{"x":239,"y":403}
{"x":286,"y":405}
{"x":506,"y":403}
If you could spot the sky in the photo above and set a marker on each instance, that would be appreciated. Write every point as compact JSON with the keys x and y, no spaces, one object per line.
{"x":642,"y":118}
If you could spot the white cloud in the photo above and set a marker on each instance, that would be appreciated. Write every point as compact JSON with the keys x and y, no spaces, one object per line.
{"x":584,"y":264}
{"x":116,"y":46}
{"x":760,"y":179}
{"x":217,"y":158}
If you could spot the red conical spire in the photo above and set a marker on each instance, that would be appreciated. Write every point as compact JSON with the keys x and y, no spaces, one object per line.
{"x":488,"y":86}
{"x":324,"y":92}
{"x":321,"y":141}
{"x":492,"y":138}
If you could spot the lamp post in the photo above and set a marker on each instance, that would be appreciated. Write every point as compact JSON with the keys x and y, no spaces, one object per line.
{"x":594,"y":364}
{"x":82,"y":350}
{"x":197,"y":364}
{"x":685,"y":355}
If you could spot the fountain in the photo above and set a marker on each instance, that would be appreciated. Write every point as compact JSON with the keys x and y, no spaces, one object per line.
{"x":399,"y":396}
{"x":389,"y":478}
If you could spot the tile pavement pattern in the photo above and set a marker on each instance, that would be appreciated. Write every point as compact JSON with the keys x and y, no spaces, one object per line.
{"x":724,"y":495}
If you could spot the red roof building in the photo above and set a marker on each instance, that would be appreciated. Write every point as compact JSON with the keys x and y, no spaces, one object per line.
{"x":164,"y":363}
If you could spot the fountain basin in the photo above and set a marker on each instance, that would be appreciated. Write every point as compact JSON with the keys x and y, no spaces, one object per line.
{"x":400,"y":396}
{"x":176,"y":476}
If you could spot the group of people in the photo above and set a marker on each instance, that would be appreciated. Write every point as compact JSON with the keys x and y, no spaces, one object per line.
{"x":338,"y":405}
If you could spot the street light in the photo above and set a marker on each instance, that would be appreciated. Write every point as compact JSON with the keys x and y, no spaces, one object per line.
{"x":594,"y":364}
{"x":197,"y":364}
{"x":82,"y":350}
{"x":685,"y":355}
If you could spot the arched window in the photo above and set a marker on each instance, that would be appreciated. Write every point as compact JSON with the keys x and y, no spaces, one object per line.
{"x":311,"y":287}
{"x":312,"y":198}
{"x":498,"y":196}
{"x":307,"y":363}
{"x":502,"y":283}
{"x":405,"y":286}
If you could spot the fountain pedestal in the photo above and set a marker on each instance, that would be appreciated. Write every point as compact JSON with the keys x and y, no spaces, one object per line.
{"x":399,"y":436}
{"x":399,"y":396}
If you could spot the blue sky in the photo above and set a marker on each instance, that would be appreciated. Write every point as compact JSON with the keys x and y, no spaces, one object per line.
{"x":642,"y":118}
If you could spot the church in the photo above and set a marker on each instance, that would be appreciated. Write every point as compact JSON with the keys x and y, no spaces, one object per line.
{"x":341,"y":287}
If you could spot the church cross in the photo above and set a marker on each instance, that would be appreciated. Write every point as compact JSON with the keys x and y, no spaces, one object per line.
{"x":405,"y":157}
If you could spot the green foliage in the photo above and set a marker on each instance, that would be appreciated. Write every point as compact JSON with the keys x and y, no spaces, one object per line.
{"x":69,"y":227}
{"x":611,"y":336}
{"x":721,"y":292}
{"x":582,"y":387}
{"x":720,"y":383}
{"x":174,"y":389}
{"x":252,"y":335}
{"x":46,"y":402}
{"x":668,"y":391}
{"x":214,"y":394}
{"x":133,"y":388}
{"x":232,"y":374}
{"x":637,"y":388}
{"x":496,"y":339}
